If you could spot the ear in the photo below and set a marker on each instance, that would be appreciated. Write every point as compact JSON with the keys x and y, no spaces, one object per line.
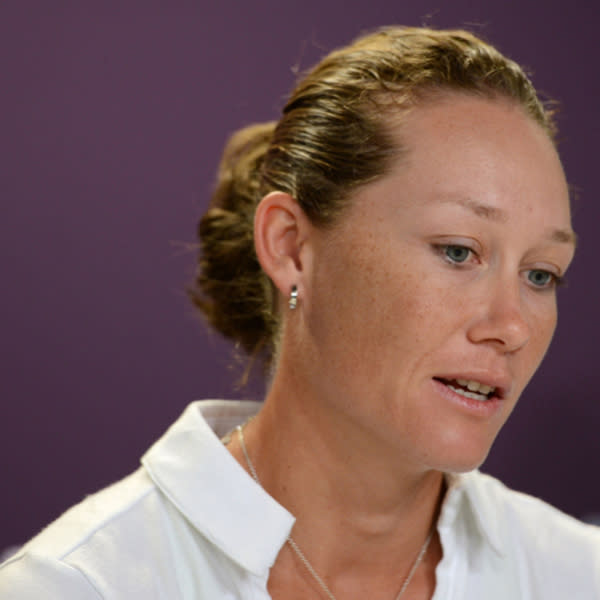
{"x":281,"y":230}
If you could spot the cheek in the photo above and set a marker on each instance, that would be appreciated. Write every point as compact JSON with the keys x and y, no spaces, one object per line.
{"x":356,"y":303}
{"x":544,"y":330}
{"x":402,"y":311}
{"x":380,"y":301}
{"x":542,"y":325}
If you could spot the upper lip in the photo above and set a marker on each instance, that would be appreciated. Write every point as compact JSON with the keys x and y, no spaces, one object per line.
{"x":500,"y":382}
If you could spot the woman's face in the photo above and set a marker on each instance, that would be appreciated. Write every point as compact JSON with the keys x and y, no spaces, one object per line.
{"x":432,"y":302}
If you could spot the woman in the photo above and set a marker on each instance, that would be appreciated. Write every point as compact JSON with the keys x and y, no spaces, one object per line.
{"x":391,"y":249}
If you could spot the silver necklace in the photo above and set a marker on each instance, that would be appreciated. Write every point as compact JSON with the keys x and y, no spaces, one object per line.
{"x":300,"y":554}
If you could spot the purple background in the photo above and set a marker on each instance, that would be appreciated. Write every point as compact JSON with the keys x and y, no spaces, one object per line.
{"x":113,"y":115}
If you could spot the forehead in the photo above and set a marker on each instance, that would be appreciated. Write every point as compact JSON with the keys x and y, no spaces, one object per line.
{"x":481,"y":149}
{"x":471,"y":124}
{"x":484,"y":156}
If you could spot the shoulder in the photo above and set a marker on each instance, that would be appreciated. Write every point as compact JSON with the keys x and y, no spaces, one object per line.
{"x":66,"y":558}
{"x":30,"y":575}
{"x":545,"y":543}
{"x":118,"y":502}
{"x":166,"y":531}
{"x":527,"y":513}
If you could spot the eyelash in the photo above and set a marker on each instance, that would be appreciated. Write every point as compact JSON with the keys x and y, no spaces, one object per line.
{"x":554,"y":281}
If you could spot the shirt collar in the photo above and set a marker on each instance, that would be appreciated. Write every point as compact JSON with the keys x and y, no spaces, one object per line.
{"x":192,"y":467}
{"x":470,"y":495}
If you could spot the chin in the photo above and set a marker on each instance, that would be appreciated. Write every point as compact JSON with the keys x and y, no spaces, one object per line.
{"x":462,"y":465}
{"x":460,"y":457}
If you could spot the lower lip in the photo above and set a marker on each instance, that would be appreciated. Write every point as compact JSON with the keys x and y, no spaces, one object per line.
{"x":479,"y":408}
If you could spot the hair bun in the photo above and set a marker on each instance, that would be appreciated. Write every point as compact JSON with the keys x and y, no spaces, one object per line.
{"x":230,"y":288}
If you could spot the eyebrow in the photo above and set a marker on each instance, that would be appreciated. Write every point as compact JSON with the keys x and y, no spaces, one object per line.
{"x":492,"y":213}
{"x":565,"y":236}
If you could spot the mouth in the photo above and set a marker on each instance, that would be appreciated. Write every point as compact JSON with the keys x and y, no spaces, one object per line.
{"x":470,"y":388}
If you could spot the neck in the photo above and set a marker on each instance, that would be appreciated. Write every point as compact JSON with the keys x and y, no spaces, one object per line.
{"x":360,"y":507}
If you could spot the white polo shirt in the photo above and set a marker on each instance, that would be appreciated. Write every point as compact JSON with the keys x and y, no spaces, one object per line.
{"x":192,"y":524}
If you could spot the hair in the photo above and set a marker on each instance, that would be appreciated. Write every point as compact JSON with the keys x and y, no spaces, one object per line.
{"x":332,"y":138}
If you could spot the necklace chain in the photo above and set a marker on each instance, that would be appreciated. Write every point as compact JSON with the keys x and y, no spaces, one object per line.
{"x":294,"y":546}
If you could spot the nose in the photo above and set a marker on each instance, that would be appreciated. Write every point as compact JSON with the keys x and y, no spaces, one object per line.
{"x":502,"y":320}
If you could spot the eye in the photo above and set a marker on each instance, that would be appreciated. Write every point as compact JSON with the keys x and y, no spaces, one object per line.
{"x":456,"y":254}
{"x":543,"y":279}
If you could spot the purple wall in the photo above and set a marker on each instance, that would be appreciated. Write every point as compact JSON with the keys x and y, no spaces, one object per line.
{"x":112,"y":121}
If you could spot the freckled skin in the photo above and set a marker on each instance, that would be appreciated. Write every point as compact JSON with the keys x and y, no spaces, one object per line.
{"x":385,"y":312}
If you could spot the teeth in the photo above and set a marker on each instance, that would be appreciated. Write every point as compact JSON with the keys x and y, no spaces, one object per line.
{"x":477,"y":390}
{"x":473,"y":395}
